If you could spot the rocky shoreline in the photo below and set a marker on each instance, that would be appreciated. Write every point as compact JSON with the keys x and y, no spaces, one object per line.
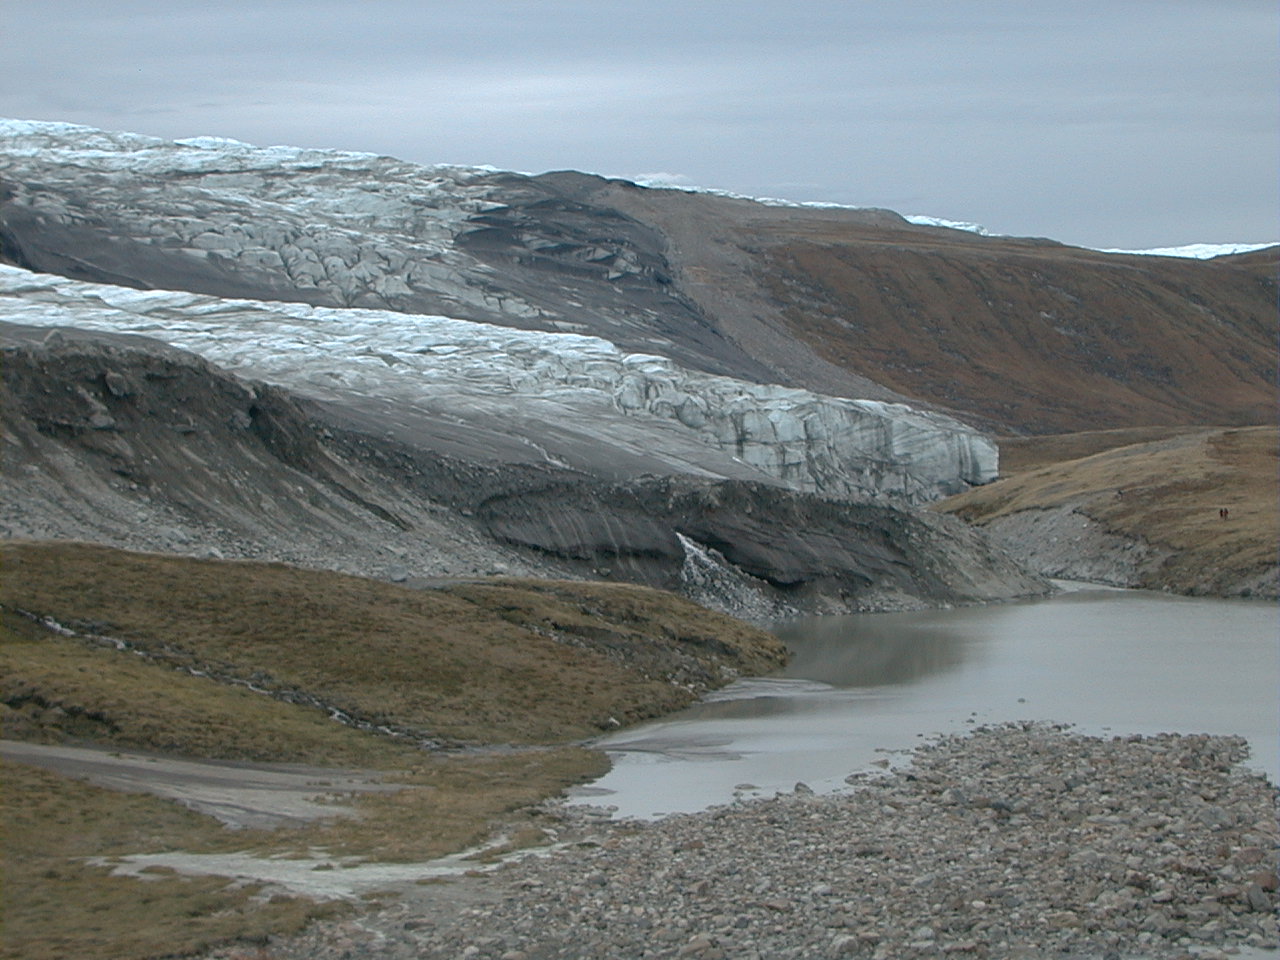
{"x":1016,"y":841}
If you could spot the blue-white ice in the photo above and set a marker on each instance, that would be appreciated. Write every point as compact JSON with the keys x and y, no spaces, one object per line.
{"x":922,"y":221}
{"x":439,"y":366}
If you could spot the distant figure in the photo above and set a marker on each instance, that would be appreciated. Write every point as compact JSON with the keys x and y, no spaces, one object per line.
{"x":1223,"y":513}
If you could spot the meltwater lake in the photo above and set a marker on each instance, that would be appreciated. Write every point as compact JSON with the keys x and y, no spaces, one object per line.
{"x":866,"y":688}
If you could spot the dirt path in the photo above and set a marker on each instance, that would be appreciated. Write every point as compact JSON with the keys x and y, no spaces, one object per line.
{"x":241,"y":795}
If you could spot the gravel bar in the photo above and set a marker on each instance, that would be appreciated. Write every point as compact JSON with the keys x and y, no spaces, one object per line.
{"x":1014,"y":841}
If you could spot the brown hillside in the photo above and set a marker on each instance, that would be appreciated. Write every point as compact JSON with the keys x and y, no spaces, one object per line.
{"x":1023,"y":454}
{"x":1024,"y":335}
{"x":505,"y":661}
{"x":1039,"y":339}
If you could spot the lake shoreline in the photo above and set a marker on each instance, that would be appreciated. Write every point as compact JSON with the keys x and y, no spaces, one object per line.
{"x":866,"y":688}
{"x":1018,"y":840}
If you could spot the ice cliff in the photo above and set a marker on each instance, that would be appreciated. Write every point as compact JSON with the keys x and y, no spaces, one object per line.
{"x":566,"y":399}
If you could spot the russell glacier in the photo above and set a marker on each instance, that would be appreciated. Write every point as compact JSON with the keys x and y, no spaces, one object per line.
{"x":570,"y":400}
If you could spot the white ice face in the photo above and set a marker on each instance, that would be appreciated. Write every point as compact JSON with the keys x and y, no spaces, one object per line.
{"x":355,"y":227}
{"x":577,"y":400}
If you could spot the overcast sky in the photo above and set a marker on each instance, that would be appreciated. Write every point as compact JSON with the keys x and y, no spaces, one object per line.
{"x":1111,"y":123}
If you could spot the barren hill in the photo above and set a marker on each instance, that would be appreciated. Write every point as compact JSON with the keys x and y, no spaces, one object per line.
{"x":1025,"y":335}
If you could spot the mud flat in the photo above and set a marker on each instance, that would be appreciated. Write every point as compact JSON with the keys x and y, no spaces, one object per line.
{"x":1017,"y":841}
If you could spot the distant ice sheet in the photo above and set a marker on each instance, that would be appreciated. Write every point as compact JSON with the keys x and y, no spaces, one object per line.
{"x":923,"y":221}
{"x":677,"y":181}
{"x":1200,"y":251}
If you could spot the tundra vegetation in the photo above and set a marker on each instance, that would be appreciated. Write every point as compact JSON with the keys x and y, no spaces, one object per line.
{"x":486,"y":686}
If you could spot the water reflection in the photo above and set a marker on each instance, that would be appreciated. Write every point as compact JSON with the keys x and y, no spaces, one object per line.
{"x":1107,"y":661}
{"x":873,"y":651}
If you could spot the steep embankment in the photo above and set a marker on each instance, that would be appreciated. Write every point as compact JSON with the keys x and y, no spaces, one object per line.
{"x":1142,"y":514}
{"x":129,"y":442}
{"x":1022,"y":335}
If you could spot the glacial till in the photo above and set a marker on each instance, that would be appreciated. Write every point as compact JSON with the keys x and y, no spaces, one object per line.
{"x":1015,"y":841}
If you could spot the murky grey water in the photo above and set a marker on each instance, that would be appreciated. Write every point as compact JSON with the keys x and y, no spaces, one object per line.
{"x":861,"y":687}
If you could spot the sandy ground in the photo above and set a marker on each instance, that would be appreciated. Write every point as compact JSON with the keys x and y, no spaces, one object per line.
{"x":241,"y":795}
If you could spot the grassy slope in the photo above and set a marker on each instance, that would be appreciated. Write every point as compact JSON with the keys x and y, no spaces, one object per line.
{"x":1172,"y":490}
{"x":483,"y":664}
{"x":491,"y":662}
{"x":1022,"y":454}
{"x":58,"y":906}
{"x":53,"y":688}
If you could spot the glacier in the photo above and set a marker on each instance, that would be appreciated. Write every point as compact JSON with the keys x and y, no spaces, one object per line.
{"x":562,"y":398}
{"x":316,"y":266}
{"x":355,"y":227}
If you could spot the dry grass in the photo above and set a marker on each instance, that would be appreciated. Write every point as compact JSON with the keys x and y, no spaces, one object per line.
{"x":448,"y":804}
{"x":1039,"y":339}
{"x":1022,"y":454}
{"x":56,"y":906}
{"x":519,"y":662}
{"x":53,"y":688}
{"x":1167,"y":492}
{"x":632,"y":624}
{"x":474,"y":664}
